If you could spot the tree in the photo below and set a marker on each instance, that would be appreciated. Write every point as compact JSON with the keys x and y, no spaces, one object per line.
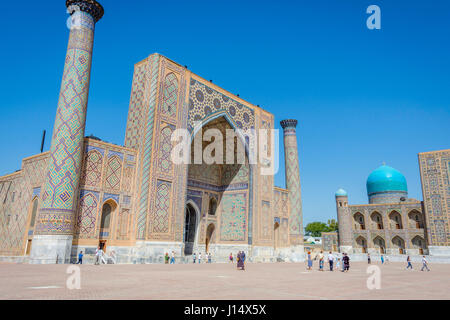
{"x":315,"y":229}
{"x":332,"y":225}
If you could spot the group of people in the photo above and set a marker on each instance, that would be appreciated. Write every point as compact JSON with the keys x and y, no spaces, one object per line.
{"x":424,"y":264}
{"x":334,"y":262}
{"x":408,"y":262}
{"x":208,"y":257}
{"x":171,"y":259}
{"x":240,"y":258}
{"x":98,"y":257}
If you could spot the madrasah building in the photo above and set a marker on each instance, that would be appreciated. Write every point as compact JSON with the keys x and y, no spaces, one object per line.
{"x":132,"y":200}
{"x":393,"y":224}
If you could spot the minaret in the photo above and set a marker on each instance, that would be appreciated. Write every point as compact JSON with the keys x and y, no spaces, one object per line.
{"x":344,"y":222}
{"x":52,"y":240}
{"x":293,"y":183}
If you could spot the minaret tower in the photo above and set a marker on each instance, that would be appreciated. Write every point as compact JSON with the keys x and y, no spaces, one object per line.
{"x":293,"y":184}
{"x":52,"y":241}
{"x":344,"y":222}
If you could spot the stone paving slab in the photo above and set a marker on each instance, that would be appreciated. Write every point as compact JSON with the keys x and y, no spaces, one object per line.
{"x":261,"y":281}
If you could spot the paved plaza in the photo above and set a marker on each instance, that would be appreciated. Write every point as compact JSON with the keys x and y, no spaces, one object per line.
{"x":222,"y":281}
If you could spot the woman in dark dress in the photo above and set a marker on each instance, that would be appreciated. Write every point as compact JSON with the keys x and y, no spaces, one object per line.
{"x":346,"y":260}
{"x":240,"y":261}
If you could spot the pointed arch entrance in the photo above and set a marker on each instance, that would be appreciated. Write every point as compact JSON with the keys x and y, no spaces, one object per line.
{"x":379,"y":244}
{"x":221,"y":178}
{"x":106,"y":222}
{"x":399,"y":244}
{"x":190,"y":228}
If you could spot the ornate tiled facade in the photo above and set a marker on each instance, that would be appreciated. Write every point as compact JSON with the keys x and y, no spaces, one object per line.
{"x":133,"y":200}
{"x":399,"y":225}
{"x":435,"y":176}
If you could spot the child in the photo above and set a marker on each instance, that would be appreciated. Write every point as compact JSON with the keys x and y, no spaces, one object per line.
{"x":338,"y":263}
{"x":80,"y":258}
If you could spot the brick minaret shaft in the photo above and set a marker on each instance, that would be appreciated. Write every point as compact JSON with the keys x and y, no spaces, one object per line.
{"x":52,"y":240}
{"x":293,"y":181}
{"x":344,"y":223}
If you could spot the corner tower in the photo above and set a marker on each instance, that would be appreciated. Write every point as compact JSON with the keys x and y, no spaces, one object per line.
{"x":344,"y":221}
{"x":53,"y":234}
{"x":292,"y":172}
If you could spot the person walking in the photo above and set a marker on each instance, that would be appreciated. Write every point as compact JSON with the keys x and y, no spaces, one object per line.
{"x":321,"y":261}
{"x":172,"y":258}
{"x":424,"y":264}
{"x":338,"y":263}
{"x":310,"y":263}
{"x":382,"y":259}
{"x":346,"y":260}
{"x":408,"y":260}
{"x":102,"y":254}
{"x":238,"y":260}
{"x":97,"y":256}
{"x":231,"y":257}
{"x":369,"y":261}
{"x":330,"y":260}
{"x":166,"y":258}
{"x":199,"y":257}
{"x":209,"y":257}
{"x":194,"y":257}
{"x":80,"y":258}
{"x":243,"y":260}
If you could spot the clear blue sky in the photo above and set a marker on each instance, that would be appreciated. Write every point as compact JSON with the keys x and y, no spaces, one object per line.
{"x":361,"y":96}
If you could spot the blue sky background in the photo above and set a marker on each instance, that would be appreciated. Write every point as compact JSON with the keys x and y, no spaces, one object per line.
{"x":361,"y":96}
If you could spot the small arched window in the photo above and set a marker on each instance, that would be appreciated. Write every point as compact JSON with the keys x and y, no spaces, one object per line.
{"x":212,"y":206}
{"x":106,"y":216}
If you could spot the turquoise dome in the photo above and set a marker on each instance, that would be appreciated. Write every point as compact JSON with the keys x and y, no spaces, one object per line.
{"x":385,"y":179}
{"x":341,"y":193}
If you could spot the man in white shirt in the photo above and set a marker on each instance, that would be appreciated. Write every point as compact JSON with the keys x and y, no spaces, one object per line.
{"x":199,"y":257}
{"x":331,"y":260}
{"x":97,"y":256}
{"x":424,"y":264}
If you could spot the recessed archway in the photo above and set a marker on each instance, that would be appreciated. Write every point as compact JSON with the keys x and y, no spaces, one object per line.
{"x":212,"y":206}
{"x":418,"y":243}
{"x":361,"y":244}
{"x":359,"y":221}
{"x":377,"y":220}
{"x":190,"y":229}
{"x":379,"y":244}
{"x":399,"y":244}
{"x":395,"y":220}
{"x":416,"y":220}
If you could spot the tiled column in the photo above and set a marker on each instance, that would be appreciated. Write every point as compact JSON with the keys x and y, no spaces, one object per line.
{"x":53,"y":235}
{"x":293,"y":181}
